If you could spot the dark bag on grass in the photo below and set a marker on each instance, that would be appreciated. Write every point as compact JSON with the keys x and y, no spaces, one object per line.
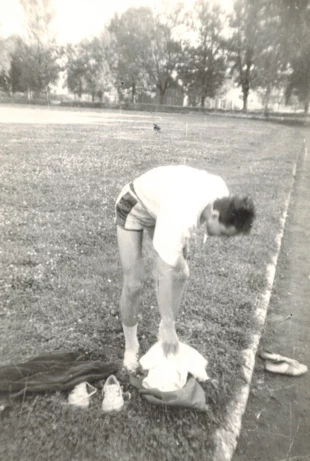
{"x":190,"y":396}
{"x":52,"y":372}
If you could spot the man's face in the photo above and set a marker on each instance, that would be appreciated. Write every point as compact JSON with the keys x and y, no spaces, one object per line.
{"x":217,"y":229}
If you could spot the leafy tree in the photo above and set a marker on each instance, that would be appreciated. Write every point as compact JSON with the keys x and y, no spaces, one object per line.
{"x":39,"y":15}
{"x":202,"y":70}
{"x":268,"y":60}
{"x":5,"y":50}
{"x":124,"y":50}
{"x":98,"y":78}
{"x":163,"y":52}
{"x":76,"y":69}
{"x":39,"y":67}
{"x":270,"y":45}
{"x":144,"y":50}
{"x":40,"y":54}
{"x":242,"y":44}
{"x":295,"y":22}
{"x":27,"y":67}
{"x":11,"y":80}
{"x":87,"y":70}
{"x":9,"y":71}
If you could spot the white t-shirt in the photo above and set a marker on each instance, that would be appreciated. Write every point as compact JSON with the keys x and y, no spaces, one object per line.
{"x":170,"y":373}
{"x":176,"y":197}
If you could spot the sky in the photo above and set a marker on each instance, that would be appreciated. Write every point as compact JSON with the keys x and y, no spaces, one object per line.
{"x":78,"y":19}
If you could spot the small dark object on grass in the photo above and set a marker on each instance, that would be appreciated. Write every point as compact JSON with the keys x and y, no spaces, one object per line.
{"x":156,"y":128}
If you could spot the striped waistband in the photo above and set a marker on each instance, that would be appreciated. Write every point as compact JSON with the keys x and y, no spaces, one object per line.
{"x":131,"y":187}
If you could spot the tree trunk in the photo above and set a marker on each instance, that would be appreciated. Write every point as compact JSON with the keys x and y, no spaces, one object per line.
{"x":161,"y":96}
{"x":93,"y":96}
{"x":307,"y":102}
{"x":133,"y":92}
{"x":266,"y":101}
{"x":245,"y":91}
{"x":47,"y":98}
{"x":202,"y":101}
{"x":120,"y":94}
{"x":245,"y":100}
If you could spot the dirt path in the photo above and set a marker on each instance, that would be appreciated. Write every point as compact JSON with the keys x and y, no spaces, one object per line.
{"x":276,"y":424}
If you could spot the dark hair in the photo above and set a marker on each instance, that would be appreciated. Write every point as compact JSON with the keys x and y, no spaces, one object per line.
{"x":236,"y":211}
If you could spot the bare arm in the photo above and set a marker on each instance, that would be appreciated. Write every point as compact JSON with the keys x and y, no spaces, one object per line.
{"x":171,"y":282}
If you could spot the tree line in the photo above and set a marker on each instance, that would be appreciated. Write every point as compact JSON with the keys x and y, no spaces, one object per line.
{"x":262,"y":45}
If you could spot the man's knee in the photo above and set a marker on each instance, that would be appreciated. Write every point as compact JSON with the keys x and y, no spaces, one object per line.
{"x":181,"y":274}
{"x":133,"y":285}
{"x":184,"y":273}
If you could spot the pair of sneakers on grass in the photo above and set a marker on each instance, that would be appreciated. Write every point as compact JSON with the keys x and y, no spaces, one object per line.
{"x":113,"y":396}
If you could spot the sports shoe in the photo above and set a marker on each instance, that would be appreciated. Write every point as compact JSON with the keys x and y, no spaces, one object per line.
{"x":292,"y":368}
{"x":79,"y":397}
{"x":113,"y":395}
{"x":272,"y":357}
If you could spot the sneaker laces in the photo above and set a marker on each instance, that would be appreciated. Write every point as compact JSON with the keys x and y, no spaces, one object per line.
{"x":111,"y":393}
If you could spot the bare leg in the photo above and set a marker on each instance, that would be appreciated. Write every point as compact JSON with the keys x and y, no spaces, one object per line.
{"x":130,"y":249}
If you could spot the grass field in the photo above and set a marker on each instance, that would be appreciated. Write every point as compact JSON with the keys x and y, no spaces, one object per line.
{"x":61,"y":279}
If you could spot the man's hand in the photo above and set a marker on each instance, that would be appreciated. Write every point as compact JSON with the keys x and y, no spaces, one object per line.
{"x":168,"y":337}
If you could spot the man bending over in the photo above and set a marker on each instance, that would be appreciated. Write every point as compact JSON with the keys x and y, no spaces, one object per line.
{"x":169,"y":203}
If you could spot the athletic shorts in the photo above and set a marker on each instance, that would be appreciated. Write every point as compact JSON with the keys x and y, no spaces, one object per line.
{"x":130,"y":213}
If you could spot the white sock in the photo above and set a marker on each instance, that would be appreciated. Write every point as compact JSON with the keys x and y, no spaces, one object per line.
{"x":131,"y":340}
{"x":131,"y":362}
{"x":131,"y":347}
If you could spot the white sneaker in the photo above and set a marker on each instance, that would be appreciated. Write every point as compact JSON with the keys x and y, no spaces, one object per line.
{"x":292,"y":368}
{"x":80,"y":396}
{"x":113,"y":395}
